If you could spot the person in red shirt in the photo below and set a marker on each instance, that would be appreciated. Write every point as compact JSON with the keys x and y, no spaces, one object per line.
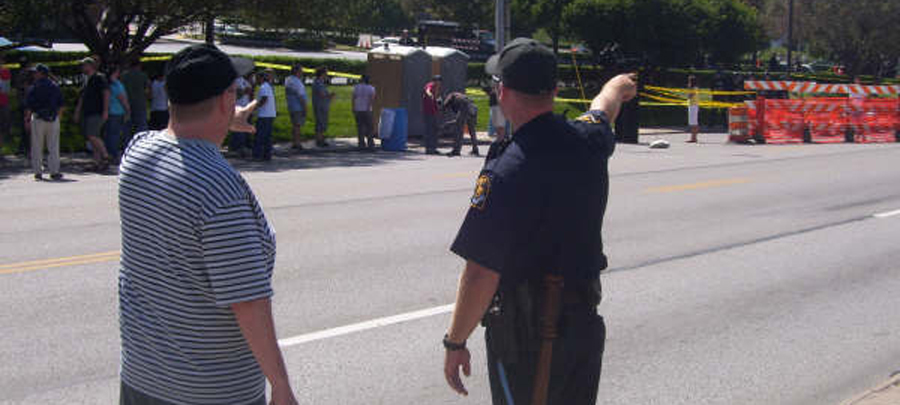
{"x":430,"y":95}
{"x":5,"y":79}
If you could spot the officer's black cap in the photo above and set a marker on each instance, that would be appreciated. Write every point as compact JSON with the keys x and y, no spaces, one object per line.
{"x":198,"y":73}
{"x":525,"y":65}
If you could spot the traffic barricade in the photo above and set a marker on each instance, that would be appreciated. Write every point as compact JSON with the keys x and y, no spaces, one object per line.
{"x":874,"y":120}
{"x":826,"y":119}
{"x":784,"y":121}
{"x":738,"y":126}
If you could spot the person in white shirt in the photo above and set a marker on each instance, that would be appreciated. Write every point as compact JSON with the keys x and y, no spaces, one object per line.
{"x":363,"y":96}
{"x":265,"y":118}
{"x":238,"y":142}
{"x":295,"y":93}
{"x":159,"y":104}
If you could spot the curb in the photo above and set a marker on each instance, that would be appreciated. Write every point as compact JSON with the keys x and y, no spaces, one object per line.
{"x":885,"y":393}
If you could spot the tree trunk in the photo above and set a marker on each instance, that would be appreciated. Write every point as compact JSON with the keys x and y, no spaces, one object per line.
{"x":211,"y":30}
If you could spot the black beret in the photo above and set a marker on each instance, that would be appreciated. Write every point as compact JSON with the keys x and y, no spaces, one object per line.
{"x":198,"y":73}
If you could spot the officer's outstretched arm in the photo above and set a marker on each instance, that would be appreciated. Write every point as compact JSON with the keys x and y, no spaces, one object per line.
{"x":616,"y":91}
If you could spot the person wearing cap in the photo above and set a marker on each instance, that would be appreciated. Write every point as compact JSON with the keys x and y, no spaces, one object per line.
{"x":466,"y":118}
{"x":532,"y":237}
{"x":295,"y":93}
{"x":195,"y":278}
{"x":44,"y":104}
{"x":431,"y":93}
{"x":92,"y":111}
{"x":321,"y":101}
{"x":265,"y":118}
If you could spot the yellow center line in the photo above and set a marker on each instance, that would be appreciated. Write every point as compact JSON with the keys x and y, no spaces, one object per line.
{"x":698,"y":186}
{"x":59,"y":262}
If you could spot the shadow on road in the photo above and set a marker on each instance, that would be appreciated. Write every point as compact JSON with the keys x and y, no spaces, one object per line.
{"x":323,"y":159}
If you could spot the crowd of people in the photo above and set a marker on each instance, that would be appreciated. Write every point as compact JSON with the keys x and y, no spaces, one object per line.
{"x":111,"y":108}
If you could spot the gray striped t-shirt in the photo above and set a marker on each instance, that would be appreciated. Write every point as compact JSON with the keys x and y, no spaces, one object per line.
{"x":194,"y":241}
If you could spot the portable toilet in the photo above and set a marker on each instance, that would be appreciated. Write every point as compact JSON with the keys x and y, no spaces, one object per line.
{"x":399,"y":74}
{"x":452,"y":65}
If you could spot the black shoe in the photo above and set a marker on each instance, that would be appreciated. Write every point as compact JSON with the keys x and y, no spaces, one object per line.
{"x":297,"y":148}
{"x":474,"y":153}
{"x":432,"y":152}
{"x":453,"y":153}
{"x":323,"y":144}
{"x":38,"y":177}
{"x":56,"y":176}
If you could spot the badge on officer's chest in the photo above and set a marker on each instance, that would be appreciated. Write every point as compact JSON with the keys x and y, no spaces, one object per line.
{"x":482,"y":190}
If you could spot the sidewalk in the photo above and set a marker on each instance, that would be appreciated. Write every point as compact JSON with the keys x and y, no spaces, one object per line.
{"x":80,"y":161}
{"x":888,"y":393}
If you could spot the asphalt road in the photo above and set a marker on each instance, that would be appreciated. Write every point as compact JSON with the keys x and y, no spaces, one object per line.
{"x":739,"y":275}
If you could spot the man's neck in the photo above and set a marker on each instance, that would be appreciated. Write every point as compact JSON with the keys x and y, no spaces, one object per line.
{"x":198,"y":130}
{"x":519,"y":120}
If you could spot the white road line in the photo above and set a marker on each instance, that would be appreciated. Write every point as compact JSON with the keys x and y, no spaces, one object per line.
{"x":359,"y":327}
{"x":887,"y":214}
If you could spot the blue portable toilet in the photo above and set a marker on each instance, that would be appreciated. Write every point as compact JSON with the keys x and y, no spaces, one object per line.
{"x":393,"y":129}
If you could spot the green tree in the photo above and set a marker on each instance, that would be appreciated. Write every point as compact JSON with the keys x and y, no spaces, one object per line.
{"x":115,"y":30}
{"x":532,"y":15}
{"x":732,"y":30}
{"x":860,"y":34}
{"x":667,"y":32}
{"x":664,"y":32}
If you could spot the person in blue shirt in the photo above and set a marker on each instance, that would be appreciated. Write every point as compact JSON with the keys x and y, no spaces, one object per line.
{"x":119,"y":110}
{"x":44,"y":105}
{"x":532,"y":240}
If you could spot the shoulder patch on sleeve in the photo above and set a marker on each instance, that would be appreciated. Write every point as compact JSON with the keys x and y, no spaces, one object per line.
{"x":482,"y":191}
{"x":588,"y":118}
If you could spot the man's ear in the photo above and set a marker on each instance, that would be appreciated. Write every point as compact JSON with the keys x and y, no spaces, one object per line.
{"x":226,"y":106}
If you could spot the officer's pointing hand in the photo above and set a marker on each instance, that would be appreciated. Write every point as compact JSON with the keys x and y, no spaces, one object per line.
{"x":625,"y":86}
{"x":452,"y":363}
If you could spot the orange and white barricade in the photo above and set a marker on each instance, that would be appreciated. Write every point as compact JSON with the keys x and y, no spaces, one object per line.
{"x":784,"y":121}
{"x":738,"y":125}
{"x":827,"y":119}
{"x":874,"y":120}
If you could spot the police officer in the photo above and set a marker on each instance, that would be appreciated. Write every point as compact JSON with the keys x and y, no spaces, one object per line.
{"x":536,"y":215}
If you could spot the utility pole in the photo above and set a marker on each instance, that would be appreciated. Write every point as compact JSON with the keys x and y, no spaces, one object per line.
{"x":501,"y":23}
{"x":790,"y":38}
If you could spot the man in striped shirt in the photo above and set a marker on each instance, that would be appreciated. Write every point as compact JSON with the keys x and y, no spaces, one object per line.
{"x":197,"y":254}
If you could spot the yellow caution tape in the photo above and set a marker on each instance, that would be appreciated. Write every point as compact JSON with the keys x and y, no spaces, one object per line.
{"x":307,"y":70}
{"x":701,"y":91}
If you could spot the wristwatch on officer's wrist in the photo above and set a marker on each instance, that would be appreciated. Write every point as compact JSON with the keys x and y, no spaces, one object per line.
{"x":451,"y":346}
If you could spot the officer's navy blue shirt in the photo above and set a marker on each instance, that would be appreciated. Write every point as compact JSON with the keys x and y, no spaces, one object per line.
{"x":539,"y":202}
{"x":45,"y":99}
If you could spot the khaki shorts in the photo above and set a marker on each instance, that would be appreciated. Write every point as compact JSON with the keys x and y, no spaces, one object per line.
{"x":298,"y":118}
{"x":91,"y":126}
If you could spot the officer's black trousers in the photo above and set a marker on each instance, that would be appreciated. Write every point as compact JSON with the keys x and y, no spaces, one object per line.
{"x":575,"y":370}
